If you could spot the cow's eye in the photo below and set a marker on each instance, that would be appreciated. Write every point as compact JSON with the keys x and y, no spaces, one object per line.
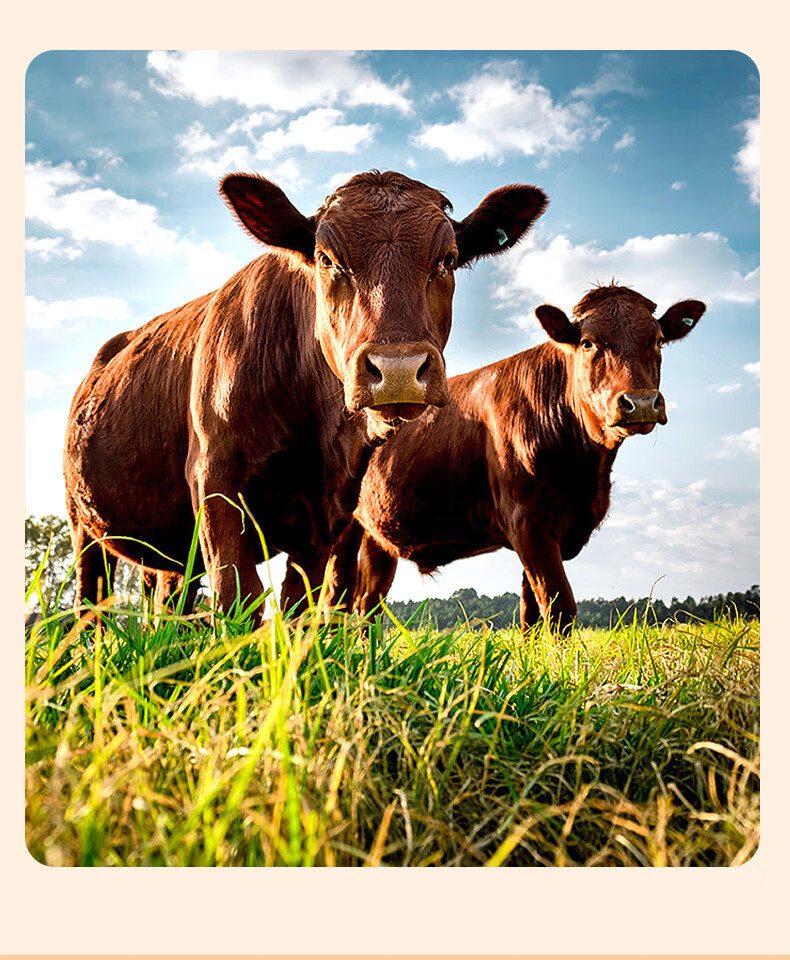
{"x":449,"y":261}
{"x":586,"y":344}
{"x":324,"y":261}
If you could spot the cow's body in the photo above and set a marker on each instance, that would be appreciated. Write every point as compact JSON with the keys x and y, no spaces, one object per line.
{"x":275,"y":387}
{"x":521,"y":457}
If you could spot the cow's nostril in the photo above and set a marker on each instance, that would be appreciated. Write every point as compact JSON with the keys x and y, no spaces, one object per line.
{"x":424,"y":368}
{"x":627,"y":405}
{"x":657,"y":402}
{"x":373,"y":370}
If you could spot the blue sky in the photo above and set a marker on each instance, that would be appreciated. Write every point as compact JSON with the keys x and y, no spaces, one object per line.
{"x":651,"y":164}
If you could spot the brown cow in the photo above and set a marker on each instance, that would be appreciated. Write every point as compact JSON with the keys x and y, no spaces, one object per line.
{"x":521,"y":457}
{"x":276,"y":386}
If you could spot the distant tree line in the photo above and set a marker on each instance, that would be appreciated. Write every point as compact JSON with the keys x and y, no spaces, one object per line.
{"x":502,"y":611}
{"x":52,"y":532}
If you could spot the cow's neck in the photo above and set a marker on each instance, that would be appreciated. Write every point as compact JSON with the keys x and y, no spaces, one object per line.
{"x":556,"y":427}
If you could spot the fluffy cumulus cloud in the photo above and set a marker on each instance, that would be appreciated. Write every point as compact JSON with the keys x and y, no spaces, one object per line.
{"x":288,"y":81}
{"x":747,"y":159}
{"x":63,"y":198}
{"x":659,"y":527}
{"x":627,"y":140}
{"x":666,"y":268}
{"x":501,"y":112}
{"x":753,"y":368}
{"x":321,"y":129}
{"x":615,"y":75}
{"x":746,"y":444}
{"x":49,"y":248}
{"x":70,"y":314}
{"x":242,"y":147}
{"x":678,"y":185}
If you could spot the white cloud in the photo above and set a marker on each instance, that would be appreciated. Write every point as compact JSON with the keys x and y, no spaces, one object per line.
{"x":321,"y":130}
{"x":280,"y":80}
{"x":339,"y":178}
{"x":122,"y":89}
{"x":678,"y":185}
{"x":665,"y":268}
{"x":44,"y":487}
{"x":83,"y":82}
{"x":238,"y":158}
{"x":105,"y":156}
{"x":37,"y":383}
{"x":671,"y":528}
{"x":47,"y":248}
{"x":210,"y":266}
{"x":253,"y":121}
{"x":615,"y":75}
{"x":747,"y":159}
{"x":501,"y":114}
{"x":64,"y":199}
{"x":728,"y":387}
{"x":740,"y":444}
{"x":196,"y":140}
{"x":48,"y":314}
{"x":29,"y":146}
{"x":91,"y":213}
{"x":627,"y":140}
{"x":753,"y":368}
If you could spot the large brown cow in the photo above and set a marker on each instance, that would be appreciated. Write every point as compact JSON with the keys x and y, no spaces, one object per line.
{"x":521,"y":457}
{"x":276,"y":386}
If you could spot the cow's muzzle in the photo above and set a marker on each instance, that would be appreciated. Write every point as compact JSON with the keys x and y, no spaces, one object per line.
{"x":639,"y":407}
{"x":396,"y":379}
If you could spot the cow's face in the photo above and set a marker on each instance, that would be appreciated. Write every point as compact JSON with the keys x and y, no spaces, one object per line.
{"x":615,"y":344}
{"x":383,"y":251}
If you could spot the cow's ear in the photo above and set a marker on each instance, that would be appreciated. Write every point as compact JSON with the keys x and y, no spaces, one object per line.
{"x":557,"y":325}
{"x":681,"y":318}
{"x":500,"y":221}
{"x":264,"y":211}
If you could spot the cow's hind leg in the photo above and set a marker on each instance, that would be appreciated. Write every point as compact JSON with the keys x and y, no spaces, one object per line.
{"x":95,"y":570}
{"x":162,"y":589}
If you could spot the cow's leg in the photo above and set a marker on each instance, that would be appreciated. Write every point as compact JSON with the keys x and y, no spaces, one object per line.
{"x":95,"y":570}
{"x":375,"y":573}
{"x":293,"y":596}
{"x":224,"y":535}
{"x":343,"y":567}
{"x":540,"y":555}
{"x":160,"y":586}
{"x":529,"y":610}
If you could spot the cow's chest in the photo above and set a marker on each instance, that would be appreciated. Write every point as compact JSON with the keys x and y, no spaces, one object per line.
{"x":303,"y":497}
{"x":574,"y":493}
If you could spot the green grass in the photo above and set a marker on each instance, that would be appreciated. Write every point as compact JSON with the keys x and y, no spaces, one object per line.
{"x":315,"y":742}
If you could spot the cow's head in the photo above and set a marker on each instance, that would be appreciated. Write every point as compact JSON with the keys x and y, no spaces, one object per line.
{"x":383,"y":250}
{"x":615,"y":344}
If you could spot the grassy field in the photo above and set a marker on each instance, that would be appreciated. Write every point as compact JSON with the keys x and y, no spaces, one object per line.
{"x":336,"y":743}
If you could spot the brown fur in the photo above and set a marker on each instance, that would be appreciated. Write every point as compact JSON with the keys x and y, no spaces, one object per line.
{"x":521,"y":457}
{"x":242,"y":390}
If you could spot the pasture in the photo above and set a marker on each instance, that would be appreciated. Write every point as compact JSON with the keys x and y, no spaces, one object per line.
{"x":338,"y":742}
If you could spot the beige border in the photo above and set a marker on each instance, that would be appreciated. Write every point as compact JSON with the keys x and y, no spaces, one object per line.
{"x":439,"y":911}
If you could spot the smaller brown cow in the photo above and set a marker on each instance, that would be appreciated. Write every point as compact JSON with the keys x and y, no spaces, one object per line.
{"x":522,"y":455}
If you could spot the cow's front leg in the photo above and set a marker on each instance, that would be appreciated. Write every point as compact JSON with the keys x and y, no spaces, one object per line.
{"x":529,"y":611}
{"x":225,"y":536}
{"x":539,"y":552}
